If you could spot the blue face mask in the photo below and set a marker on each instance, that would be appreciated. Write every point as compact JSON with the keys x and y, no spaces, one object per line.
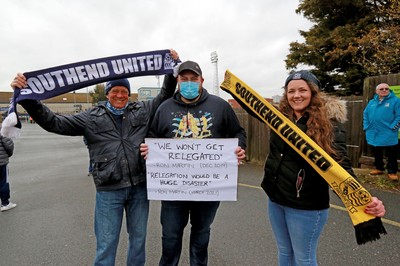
{"x":189,"y":90}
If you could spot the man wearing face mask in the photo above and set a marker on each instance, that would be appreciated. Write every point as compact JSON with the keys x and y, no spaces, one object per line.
{"x":192,"y":113}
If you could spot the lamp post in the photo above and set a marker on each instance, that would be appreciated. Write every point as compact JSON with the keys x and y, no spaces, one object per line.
{"x":214,"y":60}
{"x":74,"y":102}
{"x":158,"y":81}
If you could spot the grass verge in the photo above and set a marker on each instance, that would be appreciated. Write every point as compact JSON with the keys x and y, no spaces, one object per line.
{"x":381,"y":182}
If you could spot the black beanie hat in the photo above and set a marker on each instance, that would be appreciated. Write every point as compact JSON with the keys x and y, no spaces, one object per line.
{"x":118,"y":82}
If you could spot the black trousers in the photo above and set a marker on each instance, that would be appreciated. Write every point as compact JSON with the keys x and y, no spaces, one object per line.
{"x":4,"y":186}
{"x":391,"y":154}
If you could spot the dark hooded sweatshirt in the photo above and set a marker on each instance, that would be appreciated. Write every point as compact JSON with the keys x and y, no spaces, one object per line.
{"x":209,"y":117}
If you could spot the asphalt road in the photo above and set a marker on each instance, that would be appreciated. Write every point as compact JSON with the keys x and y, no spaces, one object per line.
{"x":53,"y":222}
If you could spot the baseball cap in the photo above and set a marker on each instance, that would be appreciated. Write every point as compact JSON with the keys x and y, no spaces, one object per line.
{"x":190,"y":65}
{"x":304,"y":75}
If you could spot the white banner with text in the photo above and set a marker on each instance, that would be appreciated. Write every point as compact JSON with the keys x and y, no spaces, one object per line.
{"x":192,"y":169}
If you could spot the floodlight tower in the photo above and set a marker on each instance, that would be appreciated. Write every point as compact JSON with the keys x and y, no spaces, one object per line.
{"x":158,"y":81}
{"x":214,"y":60}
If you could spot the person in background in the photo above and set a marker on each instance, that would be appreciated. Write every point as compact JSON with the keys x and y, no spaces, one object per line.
{"x":398,"y":148}
{"x":381,"y":125}
{"x":298,"y":201}
{"x":6,"y":151}
{"x":202,"y":115}
{"x":113,"y":131}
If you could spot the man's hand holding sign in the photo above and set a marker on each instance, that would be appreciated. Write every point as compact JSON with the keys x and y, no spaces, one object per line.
{"x":192,"y":169}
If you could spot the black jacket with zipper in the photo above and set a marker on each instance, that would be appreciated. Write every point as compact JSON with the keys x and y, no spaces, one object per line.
{"x":284,"y":166}
{"x":114,"y":150}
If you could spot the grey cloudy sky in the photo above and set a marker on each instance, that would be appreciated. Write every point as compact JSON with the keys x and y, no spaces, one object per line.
{"x":251,"y":37}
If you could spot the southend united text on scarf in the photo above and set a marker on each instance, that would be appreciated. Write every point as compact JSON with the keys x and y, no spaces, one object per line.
{"x":281,"y":127}
{"x":73,"y":75}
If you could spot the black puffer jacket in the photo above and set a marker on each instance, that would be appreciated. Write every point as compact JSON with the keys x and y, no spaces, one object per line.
{"x":284,"y":165}
{"x":6,"y":150}
{"x":114,"y":152}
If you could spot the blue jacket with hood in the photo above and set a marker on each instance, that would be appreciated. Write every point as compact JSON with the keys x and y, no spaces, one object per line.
{"x":382,"y":120}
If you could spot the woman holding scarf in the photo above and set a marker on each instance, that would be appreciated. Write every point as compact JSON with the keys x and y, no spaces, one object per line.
{"x":298,"y":196}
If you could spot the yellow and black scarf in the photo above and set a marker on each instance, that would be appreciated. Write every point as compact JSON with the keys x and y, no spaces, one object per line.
{"x":353,"y":195}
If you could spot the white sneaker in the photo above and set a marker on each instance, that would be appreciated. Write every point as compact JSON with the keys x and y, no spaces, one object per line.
{"x":7,"y":207}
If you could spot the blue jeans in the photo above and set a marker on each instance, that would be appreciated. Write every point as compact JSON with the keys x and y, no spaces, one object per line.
{"x":174,"y":218}
{"x":296,"y":233}
{"x":109,"y":213}
{"x":4,"y":185}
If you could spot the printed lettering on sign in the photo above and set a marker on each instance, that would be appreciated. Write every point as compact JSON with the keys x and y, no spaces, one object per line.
{"x":192,"y":169}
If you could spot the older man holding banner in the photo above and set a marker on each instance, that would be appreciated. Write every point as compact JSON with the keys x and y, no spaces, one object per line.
{"x":113,"y":131}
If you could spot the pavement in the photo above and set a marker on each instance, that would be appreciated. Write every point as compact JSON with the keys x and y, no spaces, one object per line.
{"x":53,"y":222}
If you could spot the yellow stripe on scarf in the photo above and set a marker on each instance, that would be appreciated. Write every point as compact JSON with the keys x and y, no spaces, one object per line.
{"x":353,"y":195}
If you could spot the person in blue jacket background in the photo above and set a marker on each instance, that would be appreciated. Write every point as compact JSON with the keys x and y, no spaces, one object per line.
{"x":381,"y":125}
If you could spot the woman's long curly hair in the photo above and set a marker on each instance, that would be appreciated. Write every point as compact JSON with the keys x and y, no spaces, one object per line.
{"x":319,"y":127}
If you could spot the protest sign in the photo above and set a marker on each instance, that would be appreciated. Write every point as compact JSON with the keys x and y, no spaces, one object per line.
{"x":192,"y":169}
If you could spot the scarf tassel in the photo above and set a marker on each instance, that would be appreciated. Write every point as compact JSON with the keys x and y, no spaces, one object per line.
{"x":369,"y":231}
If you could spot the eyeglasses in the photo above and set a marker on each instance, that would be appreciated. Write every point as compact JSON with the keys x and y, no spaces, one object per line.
{"x":383,"y":89}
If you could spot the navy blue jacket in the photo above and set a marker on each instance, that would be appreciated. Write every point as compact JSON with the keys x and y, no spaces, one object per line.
{"x":209,"y":117}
